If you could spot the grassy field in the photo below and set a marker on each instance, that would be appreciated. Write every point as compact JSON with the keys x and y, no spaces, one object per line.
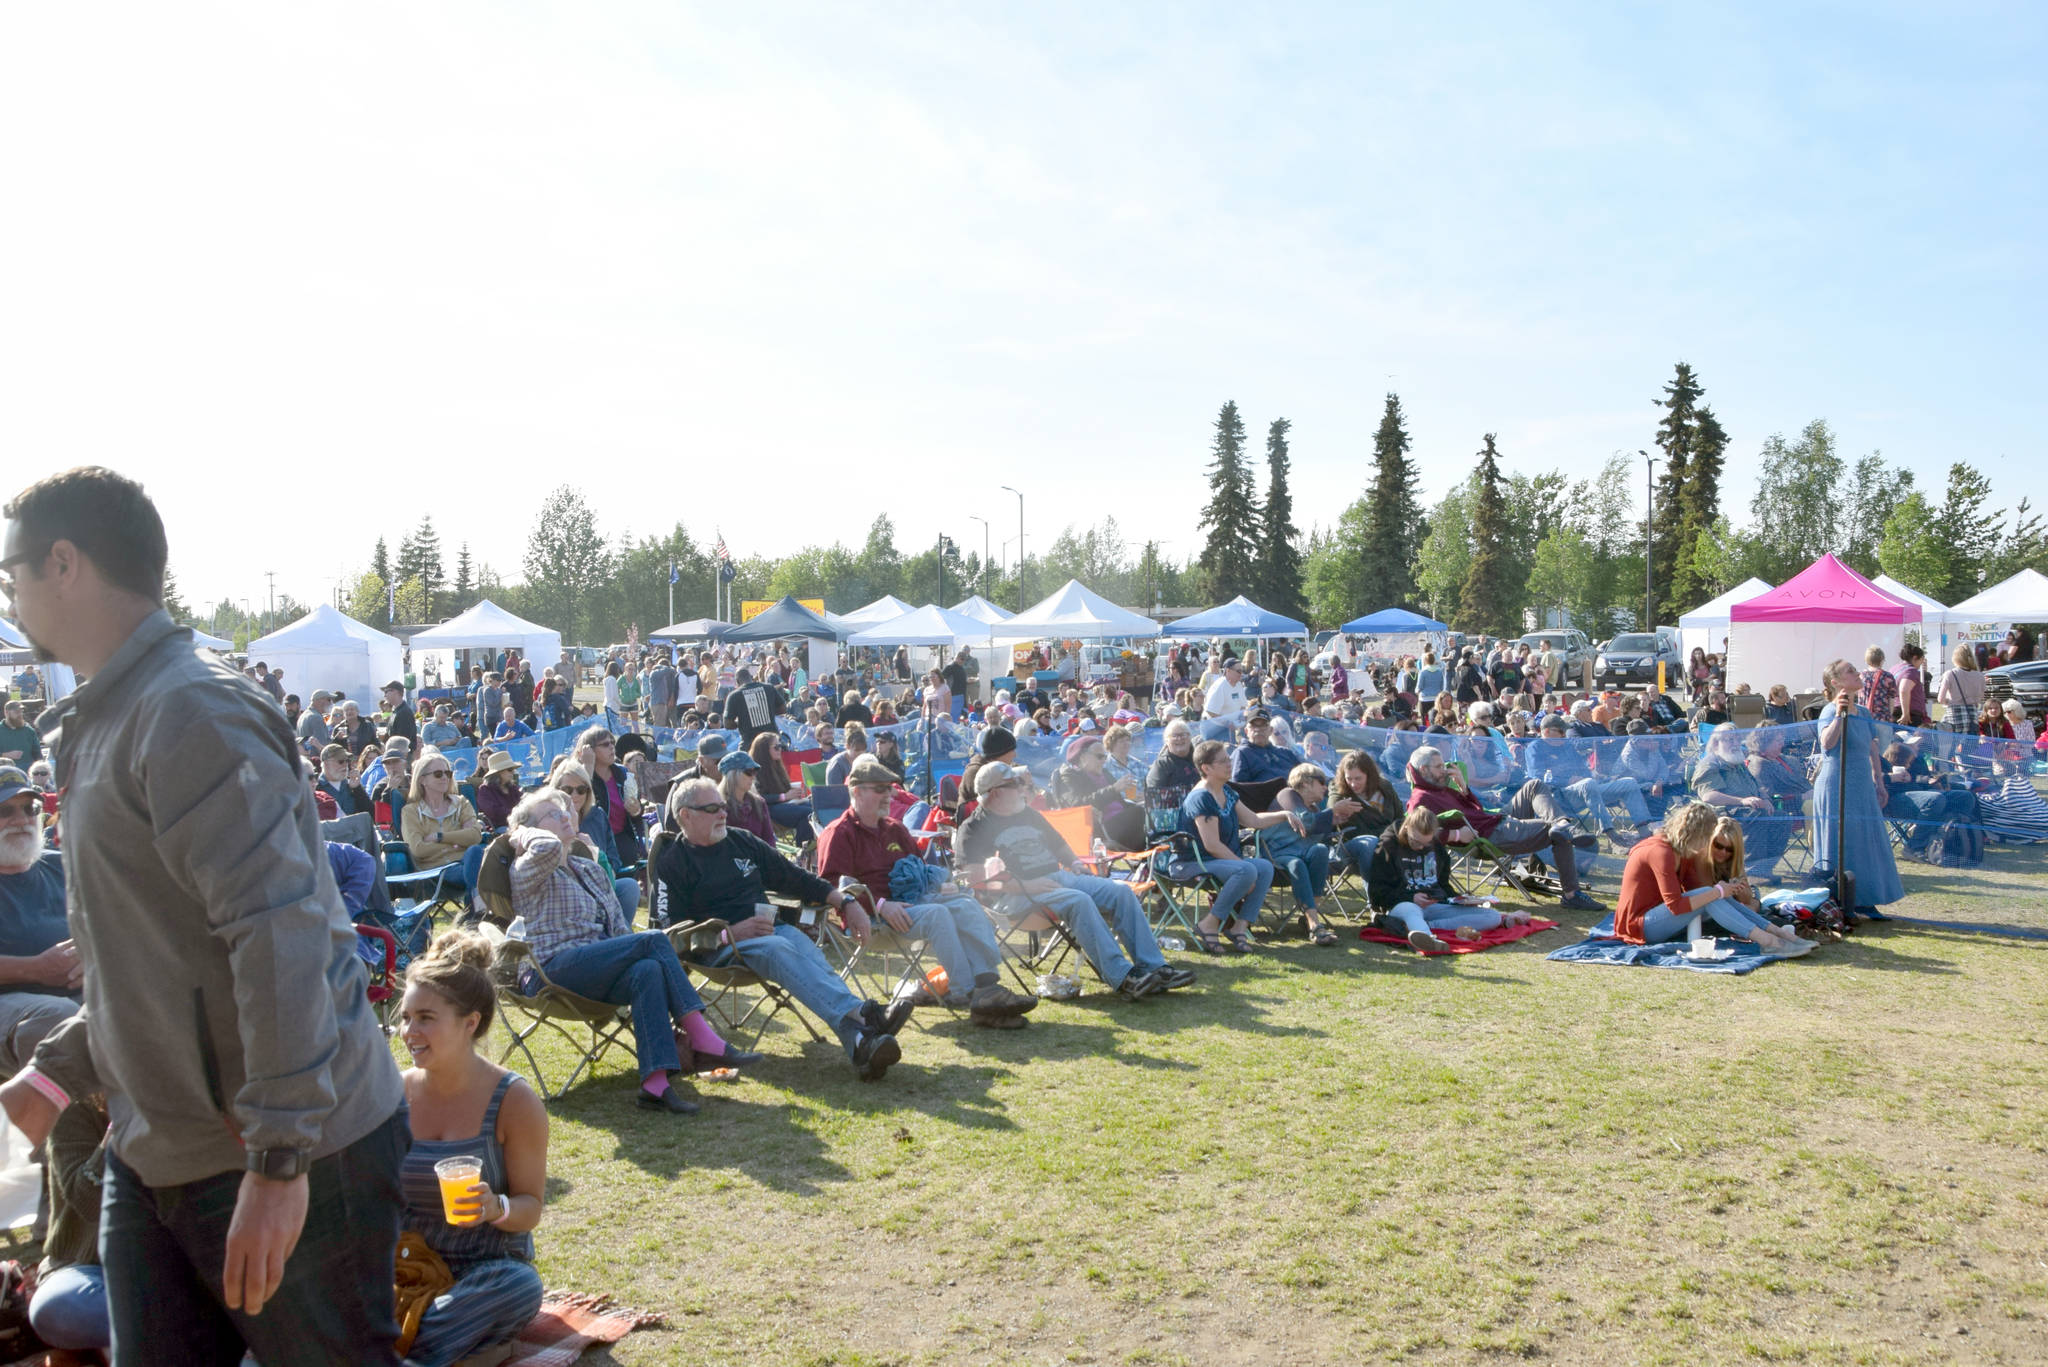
{"x":1362,"y":1155}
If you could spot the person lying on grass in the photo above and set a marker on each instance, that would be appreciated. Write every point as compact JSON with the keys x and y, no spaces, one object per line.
{"x":1409,"y":886}
{"x":1661,"y":888}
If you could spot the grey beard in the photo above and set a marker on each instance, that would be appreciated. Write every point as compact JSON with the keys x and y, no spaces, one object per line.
{"x":20,"y":848}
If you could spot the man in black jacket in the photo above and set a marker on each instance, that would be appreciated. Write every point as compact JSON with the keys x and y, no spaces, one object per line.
{"x":716,"y":874}
{"x":403,"y":723}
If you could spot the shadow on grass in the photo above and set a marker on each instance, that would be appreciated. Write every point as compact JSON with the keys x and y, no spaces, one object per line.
{"x":762,"y":1139}
{"x":1870,"y":947}
{"x":1053,"y":1037}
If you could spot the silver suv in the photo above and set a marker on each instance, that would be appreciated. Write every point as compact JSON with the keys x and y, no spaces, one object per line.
{"x":1569,"y":642}
{"x":1632,"y":658}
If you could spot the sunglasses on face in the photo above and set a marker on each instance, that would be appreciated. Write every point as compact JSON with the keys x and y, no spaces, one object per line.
{"x":582,"y":788}
{"x":706,"y":807}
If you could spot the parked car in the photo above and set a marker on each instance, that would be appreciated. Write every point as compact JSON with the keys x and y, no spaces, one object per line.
{"x":2026,"y":680}
{"x":1632,"y":658}
{"x":1569,"y":642}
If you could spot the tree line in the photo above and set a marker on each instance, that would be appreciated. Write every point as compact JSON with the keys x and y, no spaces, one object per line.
{"x":1504,"y":549}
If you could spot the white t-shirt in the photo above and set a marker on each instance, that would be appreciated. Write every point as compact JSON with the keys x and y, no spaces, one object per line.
{"x":1223,"y":698}
{"x":686,"y":687}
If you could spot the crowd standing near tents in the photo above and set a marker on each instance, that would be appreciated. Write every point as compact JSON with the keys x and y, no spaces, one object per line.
{"x":849,"y":819}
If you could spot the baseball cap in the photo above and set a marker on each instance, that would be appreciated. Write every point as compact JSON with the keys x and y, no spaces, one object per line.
{"x":738,"y":759}
{"x":868,"y":771}
{"x":1252,"y":714}
{"x":710,"y":747}
{"x":13,"y":782}
{"x":993,"y":776}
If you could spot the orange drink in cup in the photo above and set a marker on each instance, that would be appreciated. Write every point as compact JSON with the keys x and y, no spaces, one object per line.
{"x":457,"y":1176}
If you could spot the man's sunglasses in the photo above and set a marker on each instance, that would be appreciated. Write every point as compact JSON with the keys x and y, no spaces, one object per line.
{"x":706,"y":807}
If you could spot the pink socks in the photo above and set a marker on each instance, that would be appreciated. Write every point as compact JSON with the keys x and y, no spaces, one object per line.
{"x":656,"y":1083}
{"x":703,"y":1039}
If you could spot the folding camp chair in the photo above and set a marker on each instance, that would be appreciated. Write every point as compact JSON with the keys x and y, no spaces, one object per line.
{"x":385,"y":988}
{"x":528,"y":1003}
{"x":1034,"y":943}
{"x":734,"y":995}
{"x":892,"y":964}
{"x":814,"y":774}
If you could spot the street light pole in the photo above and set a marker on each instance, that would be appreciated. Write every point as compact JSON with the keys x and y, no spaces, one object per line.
{"x":1020,"y":545}
{"x":984,"y":552}
{"x":1649,"y":510}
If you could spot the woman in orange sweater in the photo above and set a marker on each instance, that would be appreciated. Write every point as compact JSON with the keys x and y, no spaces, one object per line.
{"x":1659,"y":896}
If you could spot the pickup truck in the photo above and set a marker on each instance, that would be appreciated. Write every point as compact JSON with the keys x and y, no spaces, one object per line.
{"x":2026,"y":680}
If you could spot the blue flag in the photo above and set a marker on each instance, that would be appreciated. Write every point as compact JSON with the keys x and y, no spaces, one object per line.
{"x":674,"y":574}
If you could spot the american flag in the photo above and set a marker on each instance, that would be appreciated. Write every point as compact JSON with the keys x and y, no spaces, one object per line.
{"x":719,"y":552}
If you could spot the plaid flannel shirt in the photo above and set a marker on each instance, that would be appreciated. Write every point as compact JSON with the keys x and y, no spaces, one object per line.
{"x":566,"y":899}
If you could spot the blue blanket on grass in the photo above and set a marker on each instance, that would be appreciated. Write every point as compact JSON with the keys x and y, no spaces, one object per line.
{"x":1600,"y":947}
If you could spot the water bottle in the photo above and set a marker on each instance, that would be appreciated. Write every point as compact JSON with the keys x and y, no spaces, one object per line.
{"x":1172,"y":942}
{"x":1550,"y":778}
{"x":517,"y":930}
{"x":1100,"y":850}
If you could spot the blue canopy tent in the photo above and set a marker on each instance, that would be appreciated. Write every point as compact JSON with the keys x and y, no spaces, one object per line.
{"x":1239,"y":618}
{"x":1392,"y":622}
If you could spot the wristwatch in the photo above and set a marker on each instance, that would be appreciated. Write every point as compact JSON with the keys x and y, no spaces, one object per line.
{"x":279,"y":1165}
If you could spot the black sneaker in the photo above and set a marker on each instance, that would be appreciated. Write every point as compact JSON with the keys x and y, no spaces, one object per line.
{"x":1578,"y":901}
{"x":1137,"y":986}
{"x":671,"y":1101}
{"x":1177,"y":978}
{"x":873,"y":1055}
{"x":997,"y":1000}
{"x":877,"y":1019}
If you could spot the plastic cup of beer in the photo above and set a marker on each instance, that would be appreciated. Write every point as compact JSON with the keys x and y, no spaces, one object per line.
{"x":457,"y":1176}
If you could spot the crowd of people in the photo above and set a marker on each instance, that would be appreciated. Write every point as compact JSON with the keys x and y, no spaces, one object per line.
{"x":187,"y":1026}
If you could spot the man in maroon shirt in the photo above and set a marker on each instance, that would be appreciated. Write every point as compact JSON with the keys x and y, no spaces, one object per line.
{"x":864,"y":843}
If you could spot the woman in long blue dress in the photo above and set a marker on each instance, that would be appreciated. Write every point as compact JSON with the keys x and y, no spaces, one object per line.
{"x":1846,"y":729}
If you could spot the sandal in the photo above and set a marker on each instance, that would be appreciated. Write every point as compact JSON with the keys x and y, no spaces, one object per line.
{"x":1241,"y":943}
{"x":1207,"y":941}
{"x":1322,"y":936}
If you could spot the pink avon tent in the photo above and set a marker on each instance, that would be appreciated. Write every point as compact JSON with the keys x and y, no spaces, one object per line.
{"x":1825,"y":612}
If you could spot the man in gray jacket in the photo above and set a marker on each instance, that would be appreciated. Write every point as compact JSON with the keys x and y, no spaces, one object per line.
{"x":257,"y":1127}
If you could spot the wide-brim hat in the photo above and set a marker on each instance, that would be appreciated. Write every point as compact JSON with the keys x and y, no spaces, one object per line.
{"x":500,"y":762}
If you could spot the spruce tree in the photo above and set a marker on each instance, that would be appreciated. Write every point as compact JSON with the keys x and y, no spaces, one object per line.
{"x":1487,"y":601}
{"x":464,"y":587}
{"x":1699,"y":505}
{"x":1279,"y":570}
{"x":380,"y":561}
{"x":1231,"y":516}
{"x":1676,"y":431}
{"x":1393,"y":528}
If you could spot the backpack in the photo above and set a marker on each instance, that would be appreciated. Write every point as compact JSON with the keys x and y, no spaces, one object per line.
{"x":1957,"y":845}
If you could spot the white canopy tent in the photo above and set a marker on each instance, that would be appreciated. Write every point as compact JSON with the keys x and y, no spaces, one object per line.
{"x":1935,"y":637}
{"x":58,"y":679}
{"x":982,"y":610}
{"x":329,"y":649}
{"x":930,"y":625}
{"x":2022,"y":598}
{"x":488,"y":626}
{"x":945,"y":631}
{"x":1706,"y":626}
{"x":887,"y":608}
{"x":1075,"y":612}
{"x":211,"y":642}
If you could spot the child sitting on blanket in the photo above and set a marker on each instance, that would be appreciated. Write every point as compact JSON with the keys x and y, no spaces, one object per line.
{"x":1409,"y":885}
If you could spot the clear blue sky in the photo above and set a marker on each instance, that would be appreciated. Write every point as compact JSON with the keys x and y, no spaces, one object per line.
{"x":828,"y":260}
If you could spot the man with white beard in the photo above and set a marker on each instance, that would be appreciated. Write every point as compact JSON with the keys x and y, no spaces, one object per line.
{"x":39,"y":968}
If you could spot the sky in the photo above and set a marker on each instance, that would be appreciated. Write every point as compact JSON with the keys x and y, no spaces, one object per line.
{"x":311,"y":271}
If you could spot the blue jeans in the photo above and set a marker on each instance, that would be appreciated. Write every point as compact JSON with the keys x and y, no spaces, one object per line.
{"x":1597,"y":794}
{"x":1308,"y":872}
{"x":162,"y":1249}
{"x":640,"y":971}
{"x":627,"y":890}
{"x":70,"y":1308}
{"x":1358,"y":853}
{"x":1661,"y":923}
{"x":789,"y":959}
{"x":957,"y":932}
{"x":1105,"y":919}
{"x":791,"y":816}
{"x":1442,"y":916}
{"x":491,"y":1301}
{"x":1245,"y":883}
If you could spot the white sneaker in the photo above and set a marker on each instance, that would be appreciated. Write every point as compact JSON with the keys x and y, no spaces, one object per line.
{"x":1793,"y":949}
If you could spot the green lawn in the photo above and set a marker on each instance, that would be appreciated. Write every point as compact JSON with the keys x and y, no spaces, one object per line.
{"x":1360,"y":1155}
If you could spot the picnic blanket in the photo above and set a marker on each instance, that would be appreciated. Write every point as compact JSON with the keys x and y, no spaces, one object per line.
{"x":568,"y":1323}
{"x":1499,"y":935}
{"x":1601,"y":947}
